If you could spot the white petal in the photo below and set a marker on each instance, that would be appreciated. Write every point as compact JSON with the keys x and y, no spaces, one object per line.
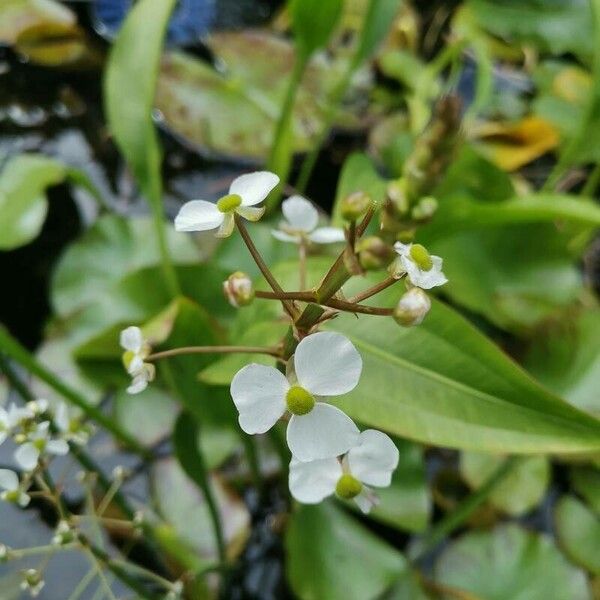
{"x":258,"y":393}
{"x":250,"y":213}
{"x":327,"y":235}
{"x":227,"y":225}
{"x":58,"y":447}
{"x":3,"y":436}
{"x":16,"y":414}
{"x":9,"y":480}
{"x":4,"y":419}
{"x":23,"y":500}
{"x":132,"y":339}
{"x":138,"y":384}
{"x":424,"y":279}
{"x":366,"y":500}
{"x":61,"y":418}
{"x":282,"y":236}
{"x":327,"y":364}
{"x":300,"y":213}
{"x":27,"y":456}
{"x":324,"y":432}
{"x":402,"y":249}
{"x":198,"y":215}
{"x":374,"y":458}
{"x":254,"y":187}
{"x":311,"y":482}
{"x":135,"y":365}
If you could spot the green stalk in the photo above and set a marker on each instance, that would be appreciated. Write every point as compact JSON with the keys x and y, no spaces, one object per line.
{"x":18,"y":353}
{"x":330,"y":113}
{"x":280,"y":157}
{"x":463,"y":511}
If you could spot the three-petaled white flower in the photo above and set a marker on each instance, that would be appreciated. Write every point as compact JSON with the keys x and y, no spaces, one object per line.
{"x":370,"y":462}
{"x":39,"y":442}
{"x":9,"y":483}
{"x":71,"y":428}
{"x":12,"y":417}
{"x":325,"y":364}
{"x":423,"y":269}
{"x":137,"y":349}
{"x":301,"y":220}
{"x":244,"y":193}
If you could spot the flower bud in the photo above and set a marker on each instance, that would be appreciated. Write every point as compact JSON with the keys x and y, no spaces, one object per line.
{"x":425,"y":209}
{"x":355,"y":206}
{"x":412,"y":307}
{"x":238,"y":289}
{"x":374,"y":253}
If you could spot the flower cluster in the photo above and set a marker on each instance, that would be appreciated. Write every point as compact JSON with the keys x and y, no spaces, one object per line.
{"x":329,"y":454}
{"x":137,"y":349}
{"x":36,"y":437}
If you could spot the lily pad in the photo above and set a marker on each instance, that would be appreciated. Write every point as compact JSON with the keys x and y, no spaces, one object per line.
{"x":520,"y":491}
{"x":205,"y":106}
{"x":510,"y":563}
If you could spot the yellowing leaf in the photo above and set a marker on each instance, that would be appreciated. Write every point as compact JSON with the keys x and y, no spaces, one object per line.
{"x":512,"y":145}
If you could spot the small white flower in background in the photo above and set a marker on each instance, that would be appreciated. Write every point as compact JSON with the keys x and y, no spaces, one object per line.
{"x":244,"y":193}
{"x":13,"y":417}
{"x":423,"y":269}
{"x":39,"y":442}
{"x":137,"y":349}
{"x":370,"y":463}
{"x":71,"y":428}
{"x":301,"y":220}
{"x":324,"y":364}
{"x":32,"y":582}
{"x":412,"y":308}
{"x":37,"y":407}
{"x":63,"y":534}
{"x":9,"y":483}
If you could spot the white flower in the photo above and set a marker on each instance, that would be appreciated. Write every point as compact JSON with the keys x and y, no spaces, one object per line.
{"x":325,"y":364}
{"x":38,"y":407}
{"x":39,"y":443}
{"x":11,"y":418}
{"x":244,"y":193}
{"x":423,"y":270}
{"x":9,"y":482}
{"x":370,"y":462}
{"x":137,"y":349}
{"x":301,"y":223}
{"x":71,"y":428}
{"x":32,"y":582}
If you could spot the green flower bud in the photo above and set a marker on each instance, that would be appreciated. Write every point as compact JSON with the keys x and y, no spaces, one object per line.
{"x":299,"y":401}
{"x":374,"y":253}
{"x":355,"y":206}
{"x":348,"y":487}
{"x":239,"y":289}
{"x":412,"y":307}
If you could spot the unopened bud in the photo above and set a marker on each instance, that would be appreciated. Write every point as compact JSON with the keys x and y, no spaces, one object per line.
{"x":63,"y":534}
{"x":32,"y":582}
{"x":374,"y":253}
{"x":355,"y":206}
{"x":412,"y":307}
{"x":238,"y":289}
{"x":425,"y":209}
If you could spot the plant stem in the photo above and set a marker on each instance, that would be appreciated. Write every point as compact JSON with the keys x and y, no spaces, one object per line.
{"x":332,"y":302}
{"x":280,"y":157}
{"x":463,"y":511}
{"x":379,"y":287}
{"x":17,"y":352}
{"x":214,"y":350}
{"x":260,"y":263}
{"x":591,"y":185}
{"x":302,"y":263}
{"x":301,"y":296}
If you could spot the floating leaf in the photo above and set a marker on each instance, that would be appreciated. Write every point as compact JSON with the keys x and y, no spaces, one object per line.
{"x":330,"y":555}
{"x":520,"y":491}
{"x":509,"y":563}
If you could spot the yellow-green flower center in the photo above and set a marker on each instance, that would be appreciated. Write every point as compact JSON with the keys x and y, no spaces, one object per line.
{"x":40,"y":444}
{"x":127,"y":357}
{"x":11,"y":496}
{"x":228,"y":203}
{"x":348,"y":487}
{"x":299,"y":401}
{"x":420,"y":256}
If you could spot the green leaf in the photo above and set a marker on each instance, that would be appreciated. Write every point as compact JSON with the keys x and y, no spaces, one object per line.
{"x":378,"y":19}
{"x":330,"y":555}
{"x":586,"y":482}
{"x":313,"y":22}
{"x":509,"y":563}
{"x":113,"y":248}
{"x":564,"y":357}
{"x":358,"y":175}
{"x":406,"y":503}
{"x":182,"y":505}
{"x":520,"y":491}
{"x":129,"y":88}
{"x":444,"y":383}
{"x":578,"y":533}
{"x":554,"y":26}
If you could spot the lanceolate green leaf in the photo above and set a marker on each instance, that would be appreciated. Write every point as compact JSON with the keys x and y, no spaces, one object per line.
{"x":313,"y":22}
{"x":444,"y":383}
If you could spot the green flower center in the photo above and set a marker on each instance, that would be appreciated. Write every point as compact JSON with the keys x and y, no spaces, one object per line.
{"x":420,"y":255}
{"x":228,"y":203}
{"x":299,"y":401}
{"x":40,"y":444}
{"x":348,"y":487}
{"x":11,"y":496}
